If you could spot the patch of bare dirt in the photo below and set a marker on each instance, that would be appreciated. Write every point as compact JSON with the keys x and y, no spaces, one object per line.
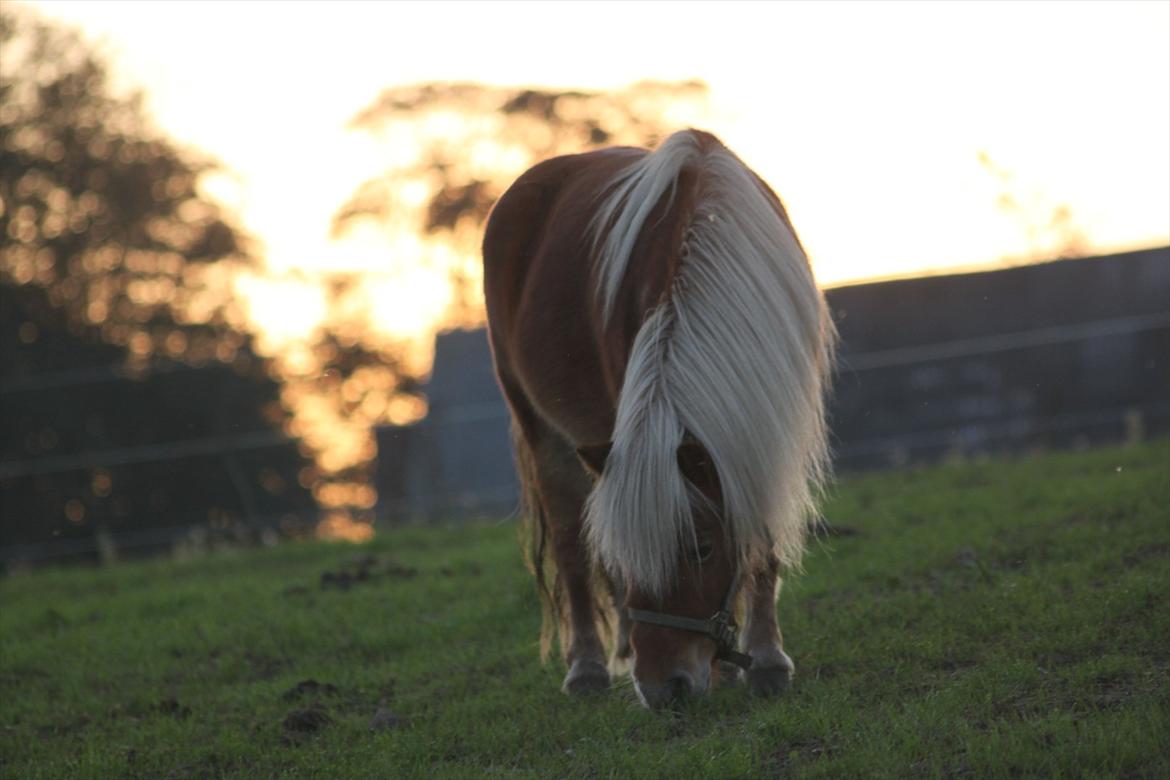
{"x":171,"y":706}
{"x":1145,"y":552}
{"x":301,"y":724}
{"x":385,"y":720}
{"x":309,"y":688}
{"x":364,"y":569}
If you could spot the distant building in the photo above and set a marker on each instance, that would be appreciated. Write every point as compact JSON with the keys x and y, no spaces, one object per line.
{"x":1061,"y":354}
{"x":457,"y":461}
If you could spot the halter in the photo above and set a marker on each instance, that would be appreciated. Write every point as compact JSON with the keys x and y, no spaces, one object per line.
{"x":720,"y":627}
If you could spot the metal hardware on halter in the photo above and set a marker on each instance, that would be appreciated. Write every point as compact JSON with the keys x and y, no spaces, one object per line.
{"x":720,"y":627}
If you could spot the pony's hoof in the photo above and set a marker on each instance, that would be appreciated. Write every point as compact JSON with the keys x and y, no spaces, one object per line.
{"x":586,"y":677}
{"x":769,"y":680}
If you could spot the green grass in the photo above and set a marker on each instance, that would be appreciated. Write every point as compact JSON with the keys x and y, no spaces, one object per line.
{"x":1001,"y":619}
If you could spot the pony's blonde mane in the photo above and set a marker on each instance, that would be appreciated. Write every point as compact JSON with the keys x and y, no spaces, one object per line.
{"x":737,"y":354}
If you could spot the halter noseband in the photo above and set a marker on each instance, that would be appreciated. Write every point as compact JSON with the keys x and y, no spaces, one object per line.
{"x":720,"y":627}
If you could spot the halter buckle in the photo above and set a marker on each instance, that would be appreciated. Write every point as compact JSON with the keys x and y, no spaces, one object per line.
{"x":724,"y":631}
{"x":726,"y":635}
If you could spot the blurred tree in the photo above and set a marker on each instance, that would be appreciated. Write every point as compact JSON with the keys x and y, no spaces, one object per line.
{"x":110,"y":256}
{"x":1049,"y":229}
{"x":103,"y":214}
{"x":455,"y":148}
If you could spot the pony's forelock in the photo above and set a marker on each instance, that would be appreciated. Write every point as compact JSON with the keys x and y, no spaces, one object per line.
{"x":737,"y":354}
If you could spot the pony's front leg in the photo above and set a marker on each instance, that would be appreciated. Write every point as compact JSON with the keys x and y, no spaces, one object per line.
{"x":622,"y":649}
{"x":583,"y":651}
{"x":771,"y":669}
{"x":564,"y":487}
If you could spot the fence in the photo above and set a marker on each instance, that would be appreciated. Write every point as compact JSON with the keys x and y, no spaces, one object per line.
{"x":169,"y":442}
{"x":1064,"y":354}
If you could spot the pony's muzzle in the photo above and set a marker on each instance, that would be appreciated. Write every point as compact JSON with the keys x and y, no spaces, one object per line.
{"x":670,"y":692}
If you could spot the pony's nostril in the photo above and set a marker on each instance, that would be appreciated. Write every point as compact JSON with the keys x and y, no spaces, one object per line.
{"x":680,"y":687}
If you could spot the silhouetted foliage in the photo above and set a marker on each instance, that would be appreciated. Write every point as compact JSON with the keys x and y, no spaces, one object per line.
{"x":472,"y":140}
{"x":115,"y":285}
{"x":100,"y":211}
{"x":1049,"y":229}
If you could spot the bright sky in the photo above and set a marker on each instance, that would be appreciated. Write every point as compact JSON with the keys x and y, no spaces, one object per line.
{"x":868,"y":118}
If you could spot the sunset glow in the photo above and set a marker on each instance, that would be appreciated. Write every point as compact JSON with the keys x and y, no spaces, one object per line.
{"x":904,"y":138}
{"x":869,"y":119}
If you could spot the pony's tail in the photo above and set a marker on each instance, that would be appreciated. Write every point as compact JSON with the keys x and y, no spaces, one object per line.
{"x":534,"y":541}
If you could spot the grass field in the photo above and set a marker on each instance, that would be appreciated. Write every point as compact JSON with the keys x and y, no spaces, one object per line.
{"x":1002,"y":619}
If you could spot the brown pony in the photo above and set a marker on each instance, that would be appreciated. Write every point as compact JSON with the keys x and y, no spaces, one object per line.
{"x":664,"y":350}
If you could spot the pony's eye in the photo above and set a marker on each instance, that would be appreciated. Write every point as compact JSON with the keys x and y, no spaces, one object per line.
{"x":703,"y":552}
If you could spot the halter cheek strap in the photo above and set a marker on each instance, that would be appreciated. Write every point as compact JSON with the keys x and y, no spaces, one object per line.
{"x":720,"y":627}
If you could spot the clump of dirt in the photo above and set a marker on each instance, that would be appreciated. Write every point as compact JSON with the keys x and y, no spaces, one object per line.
{"x":1157,"y":550}
{"x":968,"y":558}
{"x":172,"y":707}
{"x":52,"y":620}
{"x":471,"y":569}
{"x":385,"y":720}
{"x":823,"y":529}
{"x":264,"y":667}
{"x":309,"y":688}
{"x":364,"y":568}
{"x":301,"y":724}
{"x":70,"y":726}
